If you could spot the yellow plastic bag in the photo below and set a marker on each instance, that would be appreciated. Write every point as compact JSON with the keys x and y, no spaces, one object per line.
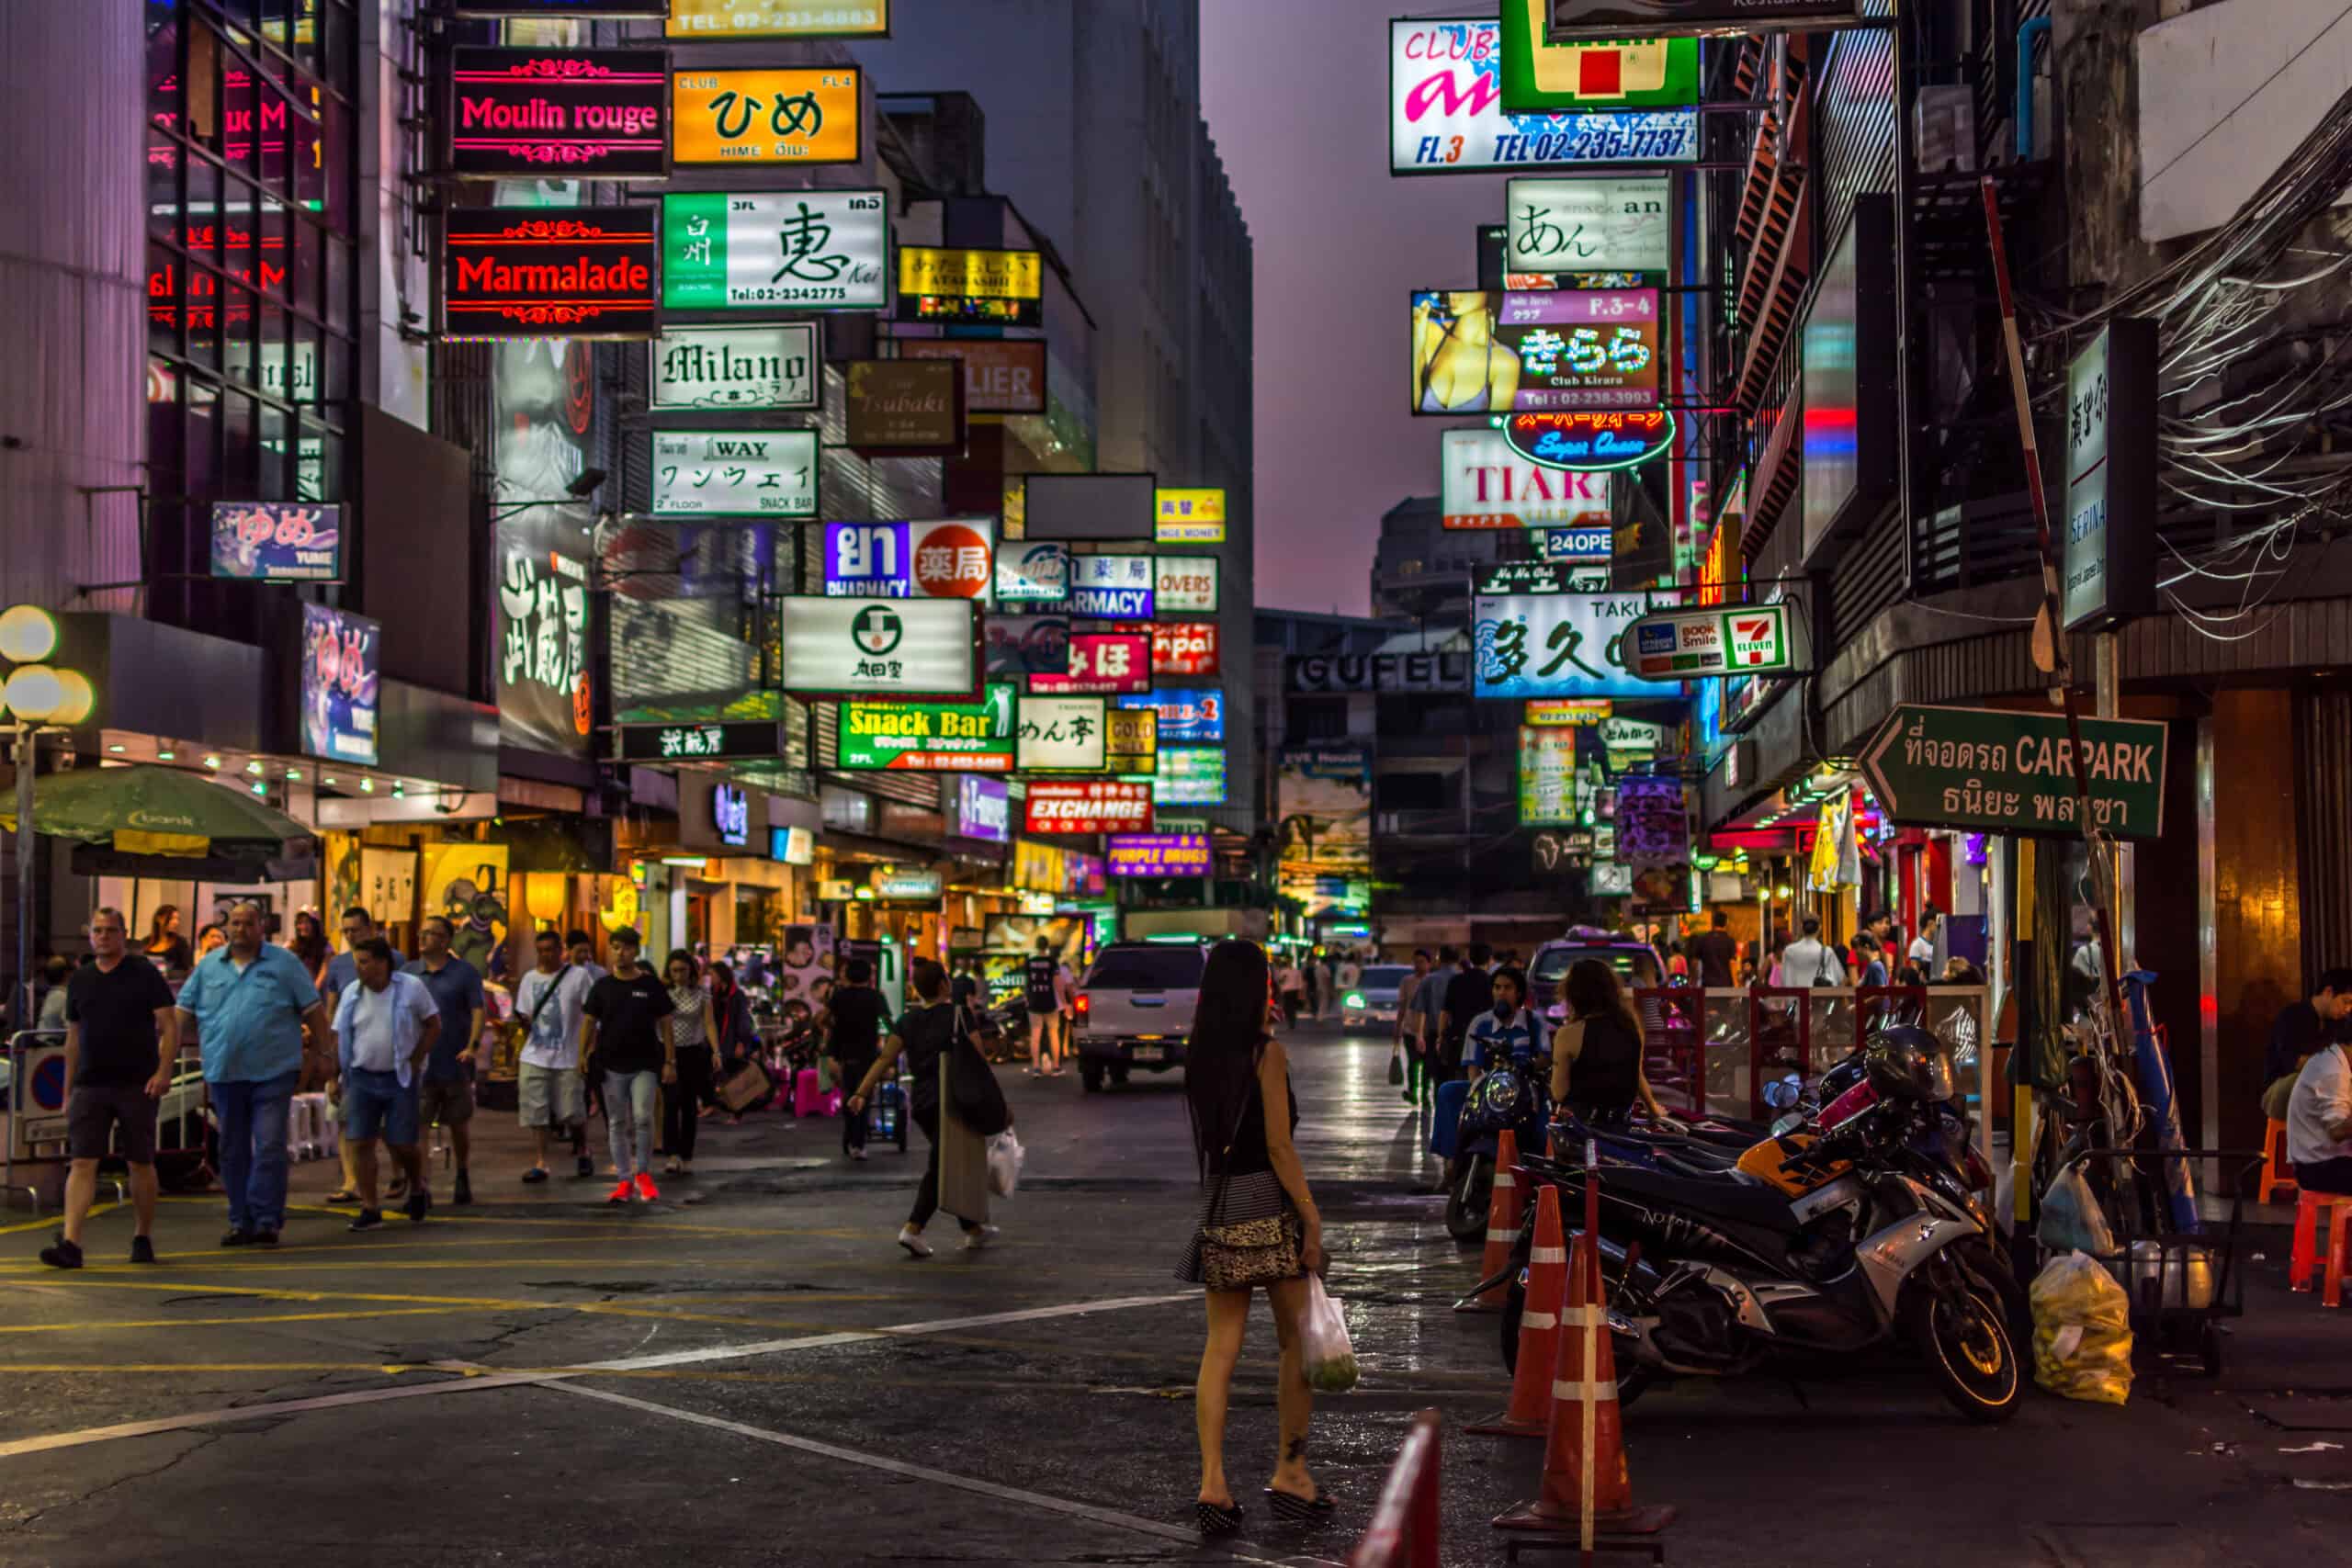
{"x":2082,"y":1330}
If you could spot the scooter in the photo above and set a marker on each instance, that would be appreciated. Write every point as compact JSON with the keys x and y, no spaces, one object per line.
{"x":1516,"y":1097}
{"x":1830,"y":1239}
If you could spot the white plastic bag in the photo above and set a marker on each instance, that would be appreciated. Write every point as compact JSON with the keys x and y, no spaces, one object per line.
{"x":1323,"y":1347}
{"x":1005,"y":1155}
{"x":2072,"y":1220}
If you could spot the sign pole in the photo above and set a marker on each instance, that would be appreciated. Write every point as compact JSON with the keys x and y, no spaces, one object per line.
{"x":2052,"y":623}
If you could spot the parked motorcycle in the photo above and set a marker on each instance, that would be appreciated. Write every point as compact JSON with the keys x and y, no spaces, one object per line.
{"x":1833,"y":1237}
{"x":1516,"y":1097}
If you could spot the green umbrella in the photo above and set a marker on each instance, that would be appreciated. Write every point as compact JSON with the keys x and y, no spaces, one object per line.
{"x":149,"y":821}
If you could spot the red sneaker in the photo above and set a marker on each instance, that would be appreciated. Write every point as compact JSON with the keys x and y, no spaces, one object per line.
{"x":645,"y":1191}
{"x":619,"y":1194}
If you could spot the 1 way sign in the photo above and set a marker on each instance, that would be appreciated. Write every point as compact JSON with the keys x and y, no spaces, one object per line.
{"x":1678,"y":645}
{"x":1993,"y":770}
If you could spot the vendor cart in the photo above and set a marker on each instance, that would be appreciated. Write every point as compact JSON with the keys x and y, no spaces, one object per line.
{"x":2181,"y":1284}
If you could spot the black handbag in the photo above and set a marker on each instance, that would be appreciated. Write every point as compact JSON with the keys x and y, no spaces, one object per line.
{"x":1396,"y":1066}
{"x":977,"y":1100}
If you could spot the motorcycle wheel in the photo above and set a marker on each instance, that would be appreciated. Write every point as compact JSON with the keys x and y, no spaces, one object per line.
{"x":1962,"y":1335}
{"x":1988,"y":1265}
{"x":1467,"y":1204}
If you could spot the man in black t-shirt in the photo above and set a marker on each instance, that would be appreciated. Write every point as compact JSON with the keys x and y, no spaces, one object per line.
{"x":1467,"y":995}
{"x":117,"y":1011}
{"x":1716,"y":954}
{"x":852,"y":1024}
{"x":1040,"y":991}
{"x":622,"y":1039}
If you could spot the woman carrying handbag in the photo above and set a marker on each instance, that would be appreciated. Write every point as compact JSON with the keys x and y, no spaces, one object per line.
{"x":1257,"y":1225}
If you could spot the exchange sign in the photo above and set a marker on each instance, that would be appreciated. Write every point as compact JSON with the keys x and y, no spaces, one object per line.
{"x":799,"y":115}
{"x":1483,"y":483}
{"x":1186,"y":718}
{"x":1747,"y":639}
{"x":1191,"y":517}
{"x":1063,"y":735}
{"x":1589,"y":441}
{"x":1032,"y":574}
{"x":1554,"y":645}
{"x":1001,"y":376}
{"x":773,"y":366}
{"x":1539,"y":77}
{"x":1088,"y":806}
{"x":1190,"y":775}
{"x":742,"y":740}
{"x":880,"y":648}
{"x":1004,"y":288}
{"x":778,"y":19}
{"x":734,"y":473}
{"x":1445,"y":113}
{"x":1185,"y":585}
{"x":1568,"y":348}
{"x":1111,"y":586}
{"x":1159,"y":854}
{"x":277,"y":541}
{"x":976,"y":737}
{"x":1588,"y":225}
{"x":2001,"y":772}
{"x":1100,"y":664}
{"x":578,"y":113}
{"x":808,"y":249}
{"x":510,"y":272}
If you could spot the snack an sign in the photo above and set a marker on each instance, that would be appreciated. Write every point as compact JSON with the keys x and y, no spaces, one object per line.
{"x":802,"y":249}
{"x":803,"y":115}
{"x":1088,"y":806}
{"x":584,"y":272}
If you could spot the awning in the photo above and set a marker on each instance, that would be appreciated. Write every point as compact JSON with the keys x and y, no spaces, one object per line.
{"x":154,"y":821}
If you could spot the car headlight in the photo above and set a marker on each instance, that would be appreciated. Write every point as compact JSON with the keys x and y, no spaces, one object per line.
{"x":1353,"y":999}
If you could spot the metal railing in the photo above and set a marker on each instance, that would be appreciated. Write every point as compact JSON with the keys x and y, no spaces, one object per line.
{"x":1403,"y":1532}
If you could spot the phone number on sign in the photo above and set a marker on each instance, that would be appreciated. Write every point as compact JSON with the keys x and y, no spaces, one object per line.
{"x":834,"y":296}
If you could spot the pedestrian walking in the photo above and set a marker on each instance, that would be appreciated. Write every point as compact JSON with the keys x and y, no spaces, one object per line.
{"x":1716,"y":954}
{"x":1291,"y":986}
{"x":1429,"y":999}
{"x":342,"y":969}
{"x":1065,"y":1008}
{"x":55,"y":970}
{"x":1409,"y":1024}
{"x":1041,"y":990}
{"x":549,"y":1095}
{"x":122,"y":1037}
{"x":1470,"y":992}
{"x":310,"y":945}
{"x":252,"y":1006}
{"x":915,"y":1047}
{"x":1257,"y":1226}
{"x":581,"y":950}
{"x":691,"y":1029}
{"x":737,"y":1040}
{"x":1871,"y":958}
{"x":853,"y":1023}
{"x":448,"y":1097}
{"x":387,"y":1022}
{"x":623,"y":1040}
{"x":1809,"y":962}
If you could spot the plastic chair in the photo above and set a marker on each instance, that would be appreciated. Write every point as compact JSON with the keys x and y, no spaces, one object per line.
{"x":2278,"y":1175}
{"x":2339,"y":1254}
{"x":2306,"y":1252}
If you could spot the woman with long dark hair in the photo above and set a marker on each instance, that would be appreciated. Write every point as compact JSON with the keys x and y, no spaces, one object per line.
{"x":310,"y":944}
{"x":1257,"y":1225}
{"x":691,"y":1029}
{"x":1597,"y":1053}
{"x":165,"y":948}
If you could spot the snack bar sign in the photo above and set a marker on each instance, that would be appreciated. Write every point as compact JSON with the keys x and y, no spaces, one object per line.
{"x":975,"y":737}
{"x":1088,"y":806}
{"x":1751,"y":639}
{"x":734,"y":473}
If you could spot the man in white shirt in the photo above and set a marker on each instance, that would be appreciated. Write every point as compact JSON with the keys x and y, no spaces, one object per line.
{"x":384,"y":1025}
{"x":2319,"y":1122}
{"x":549,"y":1092}
{"x":1923,"y":946}
{"x":1809,"y":961}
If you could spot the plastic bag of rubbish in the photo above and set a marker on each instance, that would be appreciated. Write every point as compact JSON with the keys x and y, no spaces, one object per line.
{"x":1005,"y":1158}
{"x":2071,"y":1218}
{"x":1330,"y":1356}
{"x":2082,"y":1330}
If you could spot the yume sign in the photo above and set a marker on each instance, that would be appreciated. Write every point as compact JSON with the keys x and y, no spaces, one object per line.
{"x":1677,"y":645}
{"x":778,"y":19}
{"x":543,"y":272}
{"x":1191,"y":517}
{"x":1088,"y":806}
{"x":572,"y":113}
{"x":1159,"y":854}
{"x":772,"y":366}
{"x":801,"y":115}
{"x":1483,"y":483}
{"x":277,"y":541}
{"x":879,"y":648}
{"x":1003,"y":289}
{"x":1554,"y":645}
{"x":931,"y":736}
{"x":1445,"y":113}
{"x":734,"y":473}
{"x":807,"y":250}
{"x":2010,"y":772}
{"x":337,"y":685}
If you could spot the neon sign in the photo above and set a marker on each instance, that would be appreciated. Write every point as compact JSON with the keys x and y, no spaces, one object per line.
{"x":1590,"y":441}
{"x":594,"y":113}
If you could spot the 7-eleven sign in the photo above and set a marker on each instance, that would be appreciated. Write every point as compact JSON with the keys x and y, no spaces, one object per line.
{"x":1757,"y":638}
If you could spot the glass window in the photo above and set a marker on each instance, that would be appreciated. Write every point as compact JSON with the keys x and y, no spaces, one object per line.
{"x":305,"y":264}
{"x":1156,"y":967}
{"x":301,"y":361}
{"x":270,"y":375}
{"x":166,"y":430}
{"x":199,"y":302}
{"x":274,"y":480}
{"x":240,"y":428}
{"x":237,"y":307}
{"x":201,"y":232}
{"x":322,"y":479}
{"x":338,"y":282}
{"x":203,"y":448}
{"x":167,"y":280}
{"x":335,"y":369}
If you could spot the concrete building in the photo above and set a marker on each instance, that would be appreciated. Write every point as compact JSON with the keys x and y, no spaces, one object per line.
{"x":1426,"y":573}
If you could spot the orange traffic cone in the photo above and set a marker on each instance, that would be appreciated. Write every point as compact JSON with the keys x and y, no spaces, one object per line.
{"x":1529,"y":1413}
{"x":1586,"y":1488}
{"x":1504,"y":1212}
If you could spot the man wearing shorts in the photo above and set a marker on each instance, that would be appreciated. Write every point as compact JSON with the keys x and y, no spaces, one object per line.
{"x":385,"y":1025}
{"x":1040,"y":989}
{"x":116,"y":1011}
{"x":448,"y":1094}
{"x":548,"y":1088}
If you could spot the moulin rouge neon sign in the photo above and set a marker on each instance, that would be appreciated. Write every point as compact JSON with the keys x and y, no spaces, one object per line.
{"x":591,"y":113}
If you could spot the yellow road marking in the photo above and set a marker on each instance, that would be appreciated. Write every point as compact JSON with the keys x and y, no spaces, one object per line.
{"x":209,"y":1322}
{"x":602,"y":1222}
{"x":54,"y":1222}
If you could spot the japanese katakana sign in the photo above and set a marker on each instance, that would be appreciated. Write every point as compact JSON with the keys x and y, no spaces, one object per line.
{"x":734,"y":473}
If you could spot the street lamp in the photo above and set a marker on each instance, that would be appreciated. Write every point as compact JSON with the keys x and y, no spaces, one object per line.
{"x":40,"y":698}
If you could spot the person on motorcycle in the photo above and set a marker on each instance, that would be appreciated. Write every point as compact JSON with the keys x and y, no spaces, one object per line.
{"x":1506,"y":1031}
{"x":1597,"y":1053}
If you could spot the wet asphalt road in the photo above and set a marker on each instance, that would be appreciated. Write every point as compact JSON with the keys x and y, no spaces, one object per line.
{"x":752,"y":1372}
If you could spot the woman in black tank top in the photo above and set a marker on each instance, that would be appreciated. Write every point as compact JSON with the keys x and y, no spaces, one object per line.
{"x":1597,"y":1054}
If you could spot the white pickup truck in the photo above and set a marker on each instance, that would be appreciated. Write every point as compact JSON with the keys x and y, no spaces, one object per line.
{"x":1134,"y":1009}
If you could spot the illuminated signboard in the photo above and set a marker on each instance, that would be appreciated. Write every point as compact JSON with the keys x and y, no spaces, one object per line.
{"x":1571,"y":21}
{"x":1589,"y":441}
{"x":1186,"y":718}
{"x":983,"y":809}
{"x":570,"y":113}
{"x":1538,"y":577}
{"x":1553,"y":712}
{"x":1483,"y":483}
{"x":1100,"y":664}
{"x":1547,"y":776}
{"x":772,"y":366}
{"x":902,"y":885}
{"x":1031,"y":573}
{"x":778,"y":19}
{"x":737,"y":742}
{"x":731,"y":814}
{"x":277,"y":541}
{"x":1184,"y":585}
{"x":1110,"y":586}
{"x":953,"y":559}
{"x":1159,"y":854}
{"x":1132,"y":741}
{"x":1678,"y":645}
{"x":1191,"y":517}
{"x":879,"y":648}
{"x":1539,"y":77}
{"x":734,"y":473}
{"x":798,"y":114}
{"x":803,"y":250}
{"x":1588,"y":224}
{"x":1066,"y":735}
{"x":337,"y":685}
{"x":1088,"y":806}
{"x":584,"y":272}
{"x":903,"y":408}
{"x":1003,"y":375}
{"x":1571,"y":348}
{"x":1182,"y":648}
{"x":1445,"y":113}
{"x":1554,"y":645}
{"x":1593,"y":545}
{"x":1004,"y":288}
{"x":601,"y":9}
{"x":930,"y":736}
{"x":792,"y":846}
{"x":1189,"y":775}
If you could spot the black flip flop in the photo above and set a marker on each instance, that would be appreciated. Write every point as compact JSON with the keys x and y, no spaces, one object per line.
{"x":1293,"y":1508}
{"x":1214,"y":1520}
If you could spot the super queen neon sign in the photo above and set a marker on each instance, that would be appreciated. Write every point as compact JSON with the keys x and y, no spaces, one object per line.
{"x":572,"y":113}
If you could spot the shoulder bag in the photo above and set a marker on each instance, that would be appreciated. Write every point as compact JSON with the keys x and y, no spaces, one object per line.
{"x":977,"y":1098}
{"x":1236,"y":1254}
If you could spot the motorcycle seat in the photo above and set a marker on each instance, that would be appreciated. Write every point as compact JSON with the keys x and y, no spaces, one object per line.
{"x":1725,"y":1196}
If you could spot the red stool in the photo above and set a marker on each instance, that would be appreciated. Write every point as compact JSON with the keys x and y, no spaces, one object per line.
{"x":2339,"y":1254}
{"x":2306,"y":1252}
{"x":2278,"y":1176}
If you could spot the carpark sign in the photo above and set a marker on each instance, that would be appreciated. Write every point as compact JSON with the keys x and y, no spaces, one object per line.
{"x":1993,"y":770}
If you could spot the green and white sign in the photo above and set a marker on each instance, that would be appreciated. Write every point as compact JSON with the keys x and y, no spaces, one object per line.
{"x":968,"y":737}
{"x":1631,"y":735}
{"x":798,"y":250}
{"x":1993,"y":770}
{"x":1189,"y":775}
{"x":1680,"y":645}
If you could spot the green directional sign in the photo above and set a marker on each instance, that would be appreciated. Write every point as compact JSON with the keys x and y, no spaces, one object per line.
{"x":971,"y":738}
{"x":1996,"y":771}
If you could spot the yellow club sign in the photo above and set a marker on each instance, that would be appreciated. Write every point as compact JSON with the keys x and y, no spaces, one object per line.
{"x":751,"y":118}
{"x":778,"y":18}
{"x":1002,"y":289}
{"x":1191,"y":517}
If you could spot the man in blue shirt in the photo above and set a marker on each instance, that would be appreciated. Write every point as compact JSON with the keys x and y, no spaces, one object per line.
{"x":358,"y":926}
{"x":251,"y":1003}
{"x":448,"y":1096}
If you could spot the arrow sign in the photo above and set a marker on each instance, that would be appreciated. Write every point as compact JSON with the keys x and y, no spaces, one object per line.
{"x":1993,"y":770}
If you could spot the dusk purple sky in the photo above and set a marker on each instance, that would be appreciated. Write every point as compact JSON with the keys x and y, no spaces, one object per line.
{"x":1296,"y":95}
